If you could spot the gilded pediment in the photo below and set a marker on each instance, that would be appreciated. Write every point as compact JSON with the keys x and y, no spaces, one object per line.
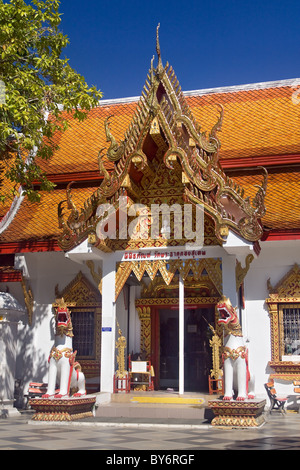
{"x":79,"y":293}
{"x":288,"y":288}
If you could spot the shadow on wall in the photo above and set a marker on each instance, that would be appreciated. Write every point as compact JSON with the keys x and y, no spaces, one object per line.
{"x":32,"y":365}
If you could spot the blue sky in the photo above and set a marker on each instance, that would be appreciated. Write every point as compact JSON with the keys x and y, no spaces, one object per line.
{"x":208,"y":43}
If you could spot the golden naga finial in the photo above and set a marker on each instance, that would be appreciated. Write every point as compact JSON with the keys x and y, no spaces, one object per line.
{"x":259,"y":199}
{"x":28,"y":298}
{"x":158,"y":48}
{"x":70,"y":202}
{"x":115,"y":151}
{"x":152,"y":71}
{"x":102,"y":169}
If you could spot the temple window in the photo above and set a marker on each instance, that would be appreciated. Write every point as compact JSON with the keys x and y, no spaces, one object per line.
{"x":284,"y":309}
{"x":83,"y":321}
{"x":290,"y":317}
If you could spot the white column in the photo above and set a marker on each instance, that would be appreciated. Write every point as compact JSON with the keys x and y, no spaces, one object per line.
{"x":9,"y":320}
{"x":229,"y":278}
{"x":133,"y":344}
{"x":108,"y":333}
{"x":181,"y":335}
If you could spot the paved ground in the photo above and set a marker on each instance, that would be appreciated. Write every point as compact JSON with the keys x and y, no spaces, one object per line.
{"x":281,"y":432}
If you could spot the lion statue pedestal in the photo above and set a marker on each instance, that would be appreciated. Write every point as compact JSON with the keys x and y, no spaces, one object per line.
{"x":64,"y":373}
{"x":244,"y":410}
{"x":62,"y":409}
{"x":238,"y":414}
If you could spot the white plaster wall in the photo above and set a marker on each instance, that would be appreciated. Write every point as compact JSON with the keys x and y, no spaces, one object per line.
{"x":44,"y":271}
{"x":133,"y":321}
{"x":136,"y":335}
{"x":122,"y":311}
{"x":15,"y":289}
{"x":274,"y":261}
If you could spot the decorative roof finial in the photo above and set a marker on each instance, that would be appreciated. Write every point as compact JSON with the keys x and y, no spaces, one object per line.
{"x":158,"y":47}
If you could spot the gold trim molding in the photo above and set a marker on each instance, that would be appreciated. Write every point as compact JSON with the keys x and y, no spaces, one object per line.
{"x":174,"y":301}
{"x":168,"y":269}
{"x":240,"y":272}
{"x":28,"y":299}
{"x":80,"y":293}
{"x":144,"y":313}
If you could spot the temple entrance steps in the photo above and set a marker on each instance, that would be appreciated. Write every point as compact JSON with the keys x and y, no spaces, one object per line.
{"x":157,"y":405}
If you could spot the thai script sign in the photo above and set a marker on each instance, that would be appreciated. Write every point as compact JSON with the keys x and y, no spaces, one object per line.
{"x":154,"y":255}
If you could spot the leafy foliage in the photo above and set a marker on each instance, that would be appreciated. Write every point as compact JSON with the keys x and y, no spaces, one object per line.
{"x":36,"y":83}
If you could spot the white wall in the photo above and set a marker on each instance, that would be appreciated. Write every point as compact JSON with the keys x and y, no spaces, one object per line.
{"x":44,"y":271}
{"x":274,"y":261}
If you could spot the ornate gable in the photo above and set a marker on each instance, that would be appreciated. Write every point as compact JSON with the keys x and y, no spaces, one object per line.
{"x":80,"y":293}
{"x":287,"y":289}
{"x":164,"y":158}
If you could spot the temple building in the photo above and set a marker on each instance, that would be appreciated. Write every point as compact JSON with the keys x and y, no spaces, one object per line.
{"x":164,"y":203}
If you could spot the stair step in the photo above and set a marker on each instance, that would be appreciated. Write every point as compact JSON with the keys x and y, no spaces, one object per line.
{"x":151,"y":411}
{"x":169,"y":400}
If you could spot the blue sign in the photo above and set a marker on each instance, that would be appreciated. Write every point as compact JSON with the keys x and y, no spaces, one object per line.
{"x":106,"y":328}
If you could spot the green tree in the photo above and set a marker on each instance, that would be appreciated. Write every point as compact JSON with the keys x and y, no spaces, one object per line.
{"x":35,"y":83}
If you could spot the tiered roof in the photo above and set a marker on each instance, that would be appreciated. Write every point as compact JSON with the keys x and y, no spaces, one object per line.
{"x":260,"y":127}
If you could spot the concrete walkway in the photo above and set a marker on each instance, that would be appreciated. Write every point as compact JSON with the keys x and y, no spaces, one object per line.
{"x":142,"y":439}
{"x":148,"y":428}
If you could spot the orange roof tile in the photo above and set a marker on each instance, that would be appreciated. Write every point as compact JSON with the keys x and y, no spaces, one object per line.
{"x":7,"y":187}
{"x":256,"y":122}
{"x":39,"y":221}
{"x":80,"y":143}
{"x":282,"y":198}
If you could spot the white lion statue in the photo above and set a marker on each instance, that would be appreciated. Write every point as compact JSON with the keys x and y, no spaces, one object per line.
{"x":64,"y":371}
{"x":235,"y":355}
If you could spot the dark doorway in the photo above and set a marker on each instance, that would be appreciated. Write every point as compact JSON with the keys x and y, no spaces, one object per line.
{"x":197,"y":352}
